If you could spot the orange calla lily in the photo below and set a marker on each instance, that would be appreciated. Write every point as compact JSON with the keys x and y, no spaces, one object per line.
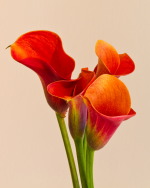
{"x":42,"y":51}
{"x":108,"y":105}
{"x":109,"y":96}
{"x":110,"y":62}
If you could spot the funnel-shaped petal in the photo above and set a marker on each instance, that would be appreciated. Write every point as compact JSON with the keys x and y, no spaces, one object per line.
{"x":42,"y":51}
{"x":100,"y":127}
{"x":108,"y":105}
{"x":110,"y":62}
{"x":69,"y":91}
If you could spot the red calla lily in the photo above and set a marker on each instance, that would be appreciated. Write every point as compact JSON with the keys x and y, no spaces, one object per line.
{"x":42,"y":51}
{"x":110,"y":62}
{"x":71,"y":91}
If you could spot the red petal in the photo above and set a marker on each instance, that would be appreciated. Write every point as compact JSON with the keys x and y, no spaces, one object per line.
{"x":86,"y":78}
{"x":45,"y":72}
{"x":100,"y":128}
{"x":44,"y":46}
{"x":67,"y":89}
{"x":62,"y":89}
{"x":126,"y":65}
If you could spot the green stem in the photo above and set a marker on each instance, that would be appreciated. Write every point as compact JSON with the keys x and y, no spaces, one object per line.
{"x":81,"y":161}
{"x":69,"y":153}
{"x":89,"y":167}
{"x":85,"y":147}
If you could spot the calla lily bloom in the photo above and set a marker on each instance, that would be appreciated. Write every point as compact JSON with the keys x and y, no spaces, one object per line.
{"x":70,"y":91}
{"x":110,"y":62}
{"x":42,"y":52}
{"x":109,"y":104}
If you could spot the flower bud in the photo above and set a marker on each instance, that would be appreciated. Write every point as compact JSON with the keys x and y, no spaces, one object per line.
{"x":77,"y":117}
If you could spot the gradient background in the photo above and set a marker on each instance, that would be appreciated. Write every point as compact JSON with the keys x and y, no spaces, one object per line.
{"x":31,"y":149}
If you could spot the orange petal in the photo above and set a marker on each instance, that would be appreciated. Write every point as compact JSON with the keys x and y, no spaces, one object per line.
{"x":109,"y":96}
{"x":109,"y":60}
{"x":126,"y":65}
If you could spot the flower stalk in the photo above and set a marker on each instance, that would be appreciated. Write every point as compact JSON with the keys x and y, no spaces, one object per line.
{"x":89,"y":167}
{"x":68,"y":149}
{"x":97,"y":100}
{"x":81,"y":161}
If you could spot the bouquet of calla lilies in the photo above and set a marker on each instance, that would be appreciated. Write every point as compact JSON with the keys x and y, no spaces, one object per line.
{"x":96,"y":102}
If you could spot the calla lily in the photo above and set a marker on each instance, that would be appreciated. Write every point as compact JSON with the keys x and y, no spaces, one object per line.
{"x":42,"y":51}
{"x":77,"y":117}
{"x":98,"y":101}
{"x":110,"y":62}
{"x":71,"y":91}
{"x":109,"y":104}
{"x":114,"y":102}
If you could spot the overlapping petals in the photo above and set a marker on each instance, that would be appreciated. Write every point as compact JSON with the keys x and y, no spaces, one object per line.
{"x":42,"y":51}
{"x":95,"y":97}
{"x":110,"y":62}
{"x":68,"y":89}
{"x":71,"y":92}
{"x":107,"y":100}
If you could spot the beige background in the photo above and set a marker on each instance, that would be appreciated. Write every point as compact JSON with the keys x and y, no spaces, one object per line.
{"x":31,"y":150}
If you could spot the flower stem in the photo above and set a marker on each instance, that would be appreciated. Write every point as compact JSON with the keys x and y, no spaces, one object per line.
{"x":89,"y":167}
{"x":81,"y":161}
{"x":68,"y":149}
{"x":85,"y":147}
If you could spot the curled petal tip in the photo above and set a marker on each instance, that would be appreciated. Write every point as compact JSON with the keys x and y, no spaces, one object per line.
{"x":127,"y":65}
{"x":108,"y":57}
{"x":8,"y":47}
{"x":110,"y":62}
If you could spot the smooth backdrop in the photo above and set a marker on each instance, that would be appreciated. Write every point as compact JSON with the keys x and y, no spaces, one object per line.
{"x":31,"y":149}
